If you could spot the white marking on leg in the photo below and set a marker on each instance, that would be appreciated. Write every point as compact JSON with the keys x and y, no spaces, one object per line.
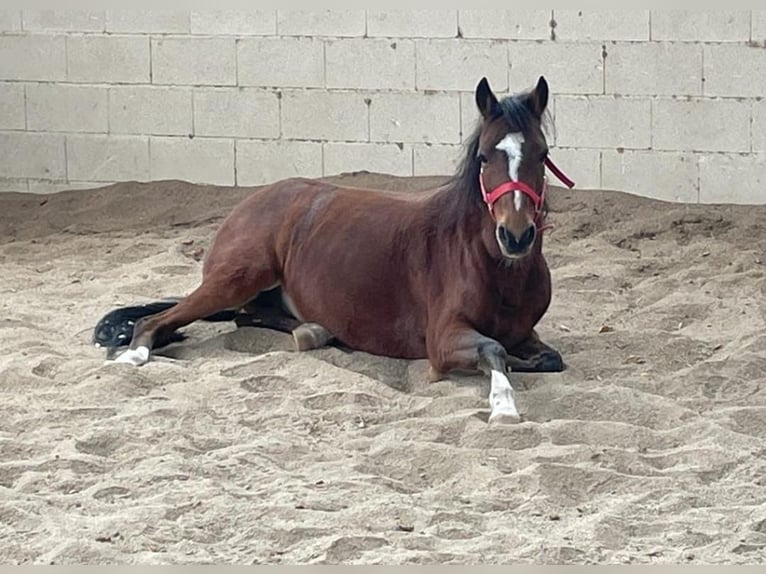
{"x":136,"y":357}
{"x":501,"y":400}
{"x":511,"y":145}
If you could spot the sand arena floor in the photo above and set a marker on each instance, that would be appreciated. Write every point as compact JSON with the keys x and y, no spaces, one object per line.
{"x":649,"y":448}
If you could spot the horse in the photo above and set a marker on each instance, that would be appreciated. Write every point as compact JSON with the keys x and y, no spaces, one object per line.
{"x":456,"y":275}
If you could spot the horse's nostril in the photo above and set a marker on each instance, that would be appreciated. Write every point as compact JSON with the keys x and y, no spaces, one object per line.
{"x":527,"y":238}
{"x":502,"y":232}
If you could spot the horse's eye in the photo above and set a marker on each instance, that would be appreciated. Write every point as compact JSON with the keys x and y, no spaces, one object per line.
{"x":482,"y":158}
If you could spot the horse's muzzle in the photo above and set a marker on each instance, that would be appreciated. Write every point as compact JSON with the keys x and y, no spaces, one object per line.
{"x":513,"y":245}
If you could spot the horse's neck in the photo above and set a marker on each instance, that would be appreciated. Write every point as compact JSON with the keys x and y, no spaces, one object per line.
{"x":450,"y":207}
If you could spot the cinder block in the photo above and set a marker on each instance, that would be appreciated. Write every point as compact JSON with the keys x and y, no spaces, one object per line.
{"x":234,"y":22}
{"x":571,"y":68}
{"x":758,"y":26}
{"x":603,"y":122}
{"x":10,"y":20}
{"x":12,"y":107}
{"x":150,"y":110}
{"x":108,"y":59}
{"x":460,"y":64}
{"x":280,"y":62}
{"x":701,"y":125}
{"x":669,"y":176}
{"x":198,"y":160}
{"x":261,"y":162}
{"x":654,"y":68}
{"x":583,"y":166}
{"x":324,"y":116}
{"x":335,"y":23}
{"x":194,"y":61}
{"x":237,"y":112}
{"x":19,"y":185}
{"x":729,"y":178}
{"x":32,"y":58}
{"x":107,"y":158}
{"x":506,"y":24}
{"x":415,"y":117}
{"x":412,"y":23}
{"x":759,"y":126}
{"x":373,"y":63}
{"x":436,"y":159}
{"x":24,"y":154}
{"x":66,"y":108}
{"x":600,"y":25}
{"x":735,"y":70}
{"x":394,"y":159}
{"x":701,"y":26}
{"x":67,"y":20}
{"x":147,"y":21}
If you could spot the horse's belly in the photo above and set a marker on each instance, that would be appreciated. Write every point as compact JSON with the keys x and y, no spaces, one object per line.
{"x":362,"y":322}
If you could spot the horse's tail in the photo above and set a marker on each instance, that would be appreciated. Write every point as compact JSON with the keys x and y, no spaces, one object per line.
{"x":115,"y":329}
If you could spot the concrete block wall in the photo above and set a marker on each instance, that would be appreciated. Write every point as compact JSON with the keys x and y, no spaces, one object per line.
{"x":666,"y":103}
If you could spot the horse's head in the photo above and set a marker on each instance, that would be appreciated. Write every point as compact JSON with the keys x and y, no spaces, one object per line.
{"x":512,"y":150}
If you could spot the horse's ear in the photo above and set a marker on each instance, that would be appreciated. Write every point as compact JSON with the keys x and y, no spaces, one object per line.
{"x":486,"y":100}
{"x":538,"y":97}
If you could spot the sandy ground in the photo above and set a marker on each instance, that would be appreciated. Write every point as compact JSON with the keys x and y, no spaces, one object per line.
{"x":649,"y":448}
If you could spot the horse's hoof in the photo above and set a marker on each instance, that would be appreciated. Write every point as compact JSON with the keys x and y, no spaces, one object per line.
{"x":550,"y":362}
{"x":434,"y":376}
{"x":135,"y":357}
{"x":504,"y":417}
{"x":311,"y":336}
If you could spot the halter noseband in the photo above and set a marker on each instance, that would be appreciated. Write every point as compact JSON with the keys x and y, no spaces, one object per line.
{"x":491,"y":197}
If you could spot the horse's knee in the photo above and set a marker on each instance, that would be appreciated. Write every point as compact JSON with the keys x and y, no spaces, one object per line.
{"x":492,"y":348}
{"x":444,"y":362}
{"x":494,"y":354}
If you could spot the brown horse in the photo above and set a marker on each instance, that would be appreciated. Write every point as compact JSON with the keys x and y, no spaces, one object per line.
{"x":456,"y":276}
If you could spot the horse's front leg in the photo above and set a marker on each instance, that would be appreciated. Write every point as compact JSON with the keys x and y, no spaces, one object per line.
{"x":463,"y":348}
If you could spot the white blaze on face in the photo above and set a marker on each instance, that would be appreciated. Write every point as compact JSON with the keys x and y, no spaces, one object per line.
{"x":511,"y":145}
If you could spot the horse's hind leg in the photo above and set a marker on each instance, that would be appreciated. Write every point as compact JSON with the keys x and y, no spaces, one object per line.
{"x":307,"y":336}
{"x":534,"y":356}
{"x":268,"y":310}
{"x":216,"y":293}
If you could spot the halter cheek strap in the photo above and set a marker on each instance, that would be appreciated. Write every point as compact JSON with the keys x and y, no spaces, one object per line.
{"x":491,"y":197}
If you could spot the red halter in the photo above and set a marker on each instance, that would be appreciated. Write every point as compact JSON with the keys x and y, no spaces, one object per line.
{"x":537,"y":199}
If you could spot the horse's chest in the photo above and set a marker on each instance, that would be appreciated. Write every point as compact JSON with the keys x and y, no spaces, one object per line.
{"x":518,"y":309}
{"x":513,"y":324}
